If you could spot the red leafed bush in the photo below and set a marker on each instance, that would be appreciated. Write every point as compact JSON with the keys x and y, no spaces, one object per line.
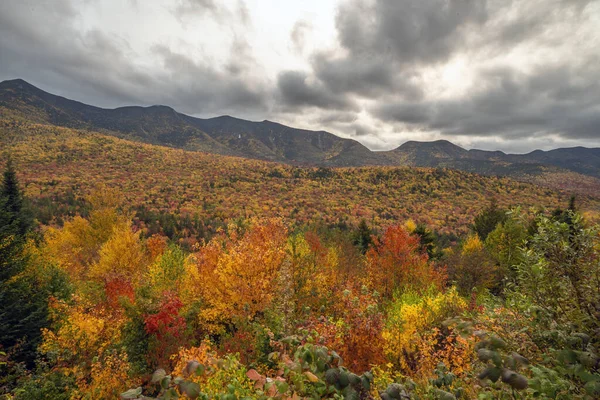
{"x":167,"y":329}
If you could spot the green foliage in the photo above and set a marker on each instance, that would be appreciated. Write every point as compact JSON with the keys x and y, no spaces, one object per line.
{"x":428,"y":242}
{"x":560,"y":272}
{"x":488,"y":219}
{"x":505,"y":244}
{"x":23,"y":305}
{"x":363,"y":236}
{"x":44,"y":384}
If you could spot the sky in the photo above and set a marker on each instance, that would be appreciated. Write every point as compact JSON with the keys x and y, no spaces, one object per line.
{"x":511,"y":75}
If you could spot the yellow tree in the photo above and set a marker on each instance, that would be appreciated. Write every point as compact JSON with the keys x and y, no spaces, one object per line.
{"x":239,"y":273}
{"x":75,"y":246}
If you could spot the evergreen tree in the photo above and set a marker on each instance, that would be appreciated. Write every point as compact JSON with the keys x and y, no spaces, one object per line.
{"x":488,"y":219}
{"x":427,"y":241}
{"x":23,"y":305}
{"x":363,"y":236}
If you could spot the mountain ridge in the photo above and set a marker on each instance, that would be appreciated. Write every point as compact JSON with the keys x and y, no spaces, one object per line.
{"x":272,"y":141}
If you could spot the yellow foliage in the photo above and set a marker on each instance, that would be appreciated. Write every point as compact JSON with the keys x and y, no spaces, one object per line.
{"x":82,"y":347}
{"x":109,"y":378}
{"x":84,"y":332}
{"x":72,"y":247}
{"x":412,"y":339}
{"x":122,"y":256}
{"x":75,"y":246}
{"x":472,"y":245}
{"x":410,"y":225}
{"x":200,"y":354}
{"x":238,"y":274}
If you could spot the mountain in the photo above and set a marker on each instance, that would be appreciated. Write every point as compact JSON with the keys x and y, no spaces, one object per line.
{"x":162,"y":125}
{"x":271,"y":141}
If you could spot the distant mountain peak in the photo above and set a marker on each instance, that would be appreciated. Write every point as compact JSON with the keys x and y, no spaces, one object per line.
{"x":433,"y":143}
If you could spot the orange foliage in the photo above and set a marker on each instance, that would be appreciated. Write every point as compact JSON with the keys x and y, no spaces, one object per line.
{"x":239,"y":273}
{"x":157,"y":245}
{"x":394,"y":262}
{"x":356,"y":334}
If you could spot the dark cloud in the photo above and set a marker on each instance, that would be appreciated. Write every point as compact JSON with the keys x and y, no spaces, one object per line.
{"x":297,"y":91}
{"x":39,"y":42}
{"x":530,"y":68}
{"x":339,"y":117}
{"x":408,"y":31}
{"x":201,"y":88}
{"x":387,"y":46}
{"x":551,"y":100}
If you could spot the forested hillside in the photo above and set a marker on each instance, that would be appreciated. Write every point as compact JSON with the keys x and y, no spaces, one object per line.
{"x":192,"y":193}
{"x":136,"y":271}
{"x":99,"y":308}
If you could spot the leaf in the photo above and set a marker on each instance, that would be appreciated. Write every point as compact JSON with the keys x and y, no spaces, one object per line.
{"x":282,"y":387}
{"x":253,"y":375}
{"x":158,"y":375}
{"x":311,"y":377}
{"x":131,"y":394}
{"x":191,"y":389}
{"x":165,"y":382}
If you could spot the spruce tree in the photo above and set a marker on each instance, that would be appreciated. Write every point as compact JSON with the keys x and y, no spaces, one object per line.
{"x":488,"y":219}
{"x":363,"y":236}
{"x":23,"y":305}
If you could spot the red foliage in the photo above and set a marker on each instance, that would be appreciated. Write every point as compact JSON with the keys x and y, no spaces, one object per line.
{"x":168,"y":329}
{"x":116,"y":289}
{"x":357,"y":339}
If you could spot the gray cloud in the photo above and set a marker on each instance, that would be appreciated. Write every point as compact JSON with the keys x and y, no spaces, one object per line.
{"x":202,"y":88}
{"x":386,"y":47}
{"x":296,"y":91}
{"x":409,"y":31}
{"x":102,"y":65}
{"x":191,"y":8}
{"x":530,"y":68}
{"x":551,"y":100}
{"x":186,"y":10}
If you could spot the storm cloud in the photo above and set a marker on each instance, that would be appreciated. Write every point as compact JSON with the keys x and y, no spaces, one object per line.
{"x":506,"y":74}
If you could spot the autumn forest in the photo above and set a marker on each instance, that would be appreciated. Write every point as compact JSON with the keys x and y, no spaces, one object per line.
{"x":136,"y":271}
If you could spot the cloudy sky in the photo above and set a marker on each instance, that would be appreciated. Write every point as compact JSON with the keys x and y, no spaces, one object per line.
{"x":513,"y":75}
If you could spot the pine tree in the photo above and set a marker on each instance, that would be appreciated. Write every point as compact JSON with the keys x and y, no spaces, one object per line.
{"x":363,"y":236}
{"x":488,"y":219}
{"x":23,"y":306}
{"x":427,"y":240}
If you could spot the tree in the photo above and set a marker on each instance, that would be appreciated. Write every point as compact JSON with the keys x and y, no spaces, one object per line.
{"x":239,"y":274}
{"x":363,"y":236}
{"x":23,"y":308}
{"x":560,"y":272}
{"x":15,"y":219}
{"x":472,"y":268}
{"x":395,"y":263}
{"x":488,"y":219}
{"x":427,"y":241}
{"x":504,"y":245}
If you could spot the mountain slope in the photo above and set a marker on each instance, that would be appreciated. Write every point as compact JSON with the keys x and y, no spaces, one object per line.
{"x":162,"y":125}
{"x":58,"y":165}
{"x":271,"y":141}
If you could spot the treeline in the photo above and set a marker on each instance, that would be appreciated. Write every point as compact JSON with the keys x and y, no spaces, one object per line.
{"x":106,"y":305}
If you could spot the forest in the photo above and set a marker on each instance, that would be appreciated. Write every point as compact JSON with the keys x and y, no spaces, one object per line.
{"x":103,"y":297}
